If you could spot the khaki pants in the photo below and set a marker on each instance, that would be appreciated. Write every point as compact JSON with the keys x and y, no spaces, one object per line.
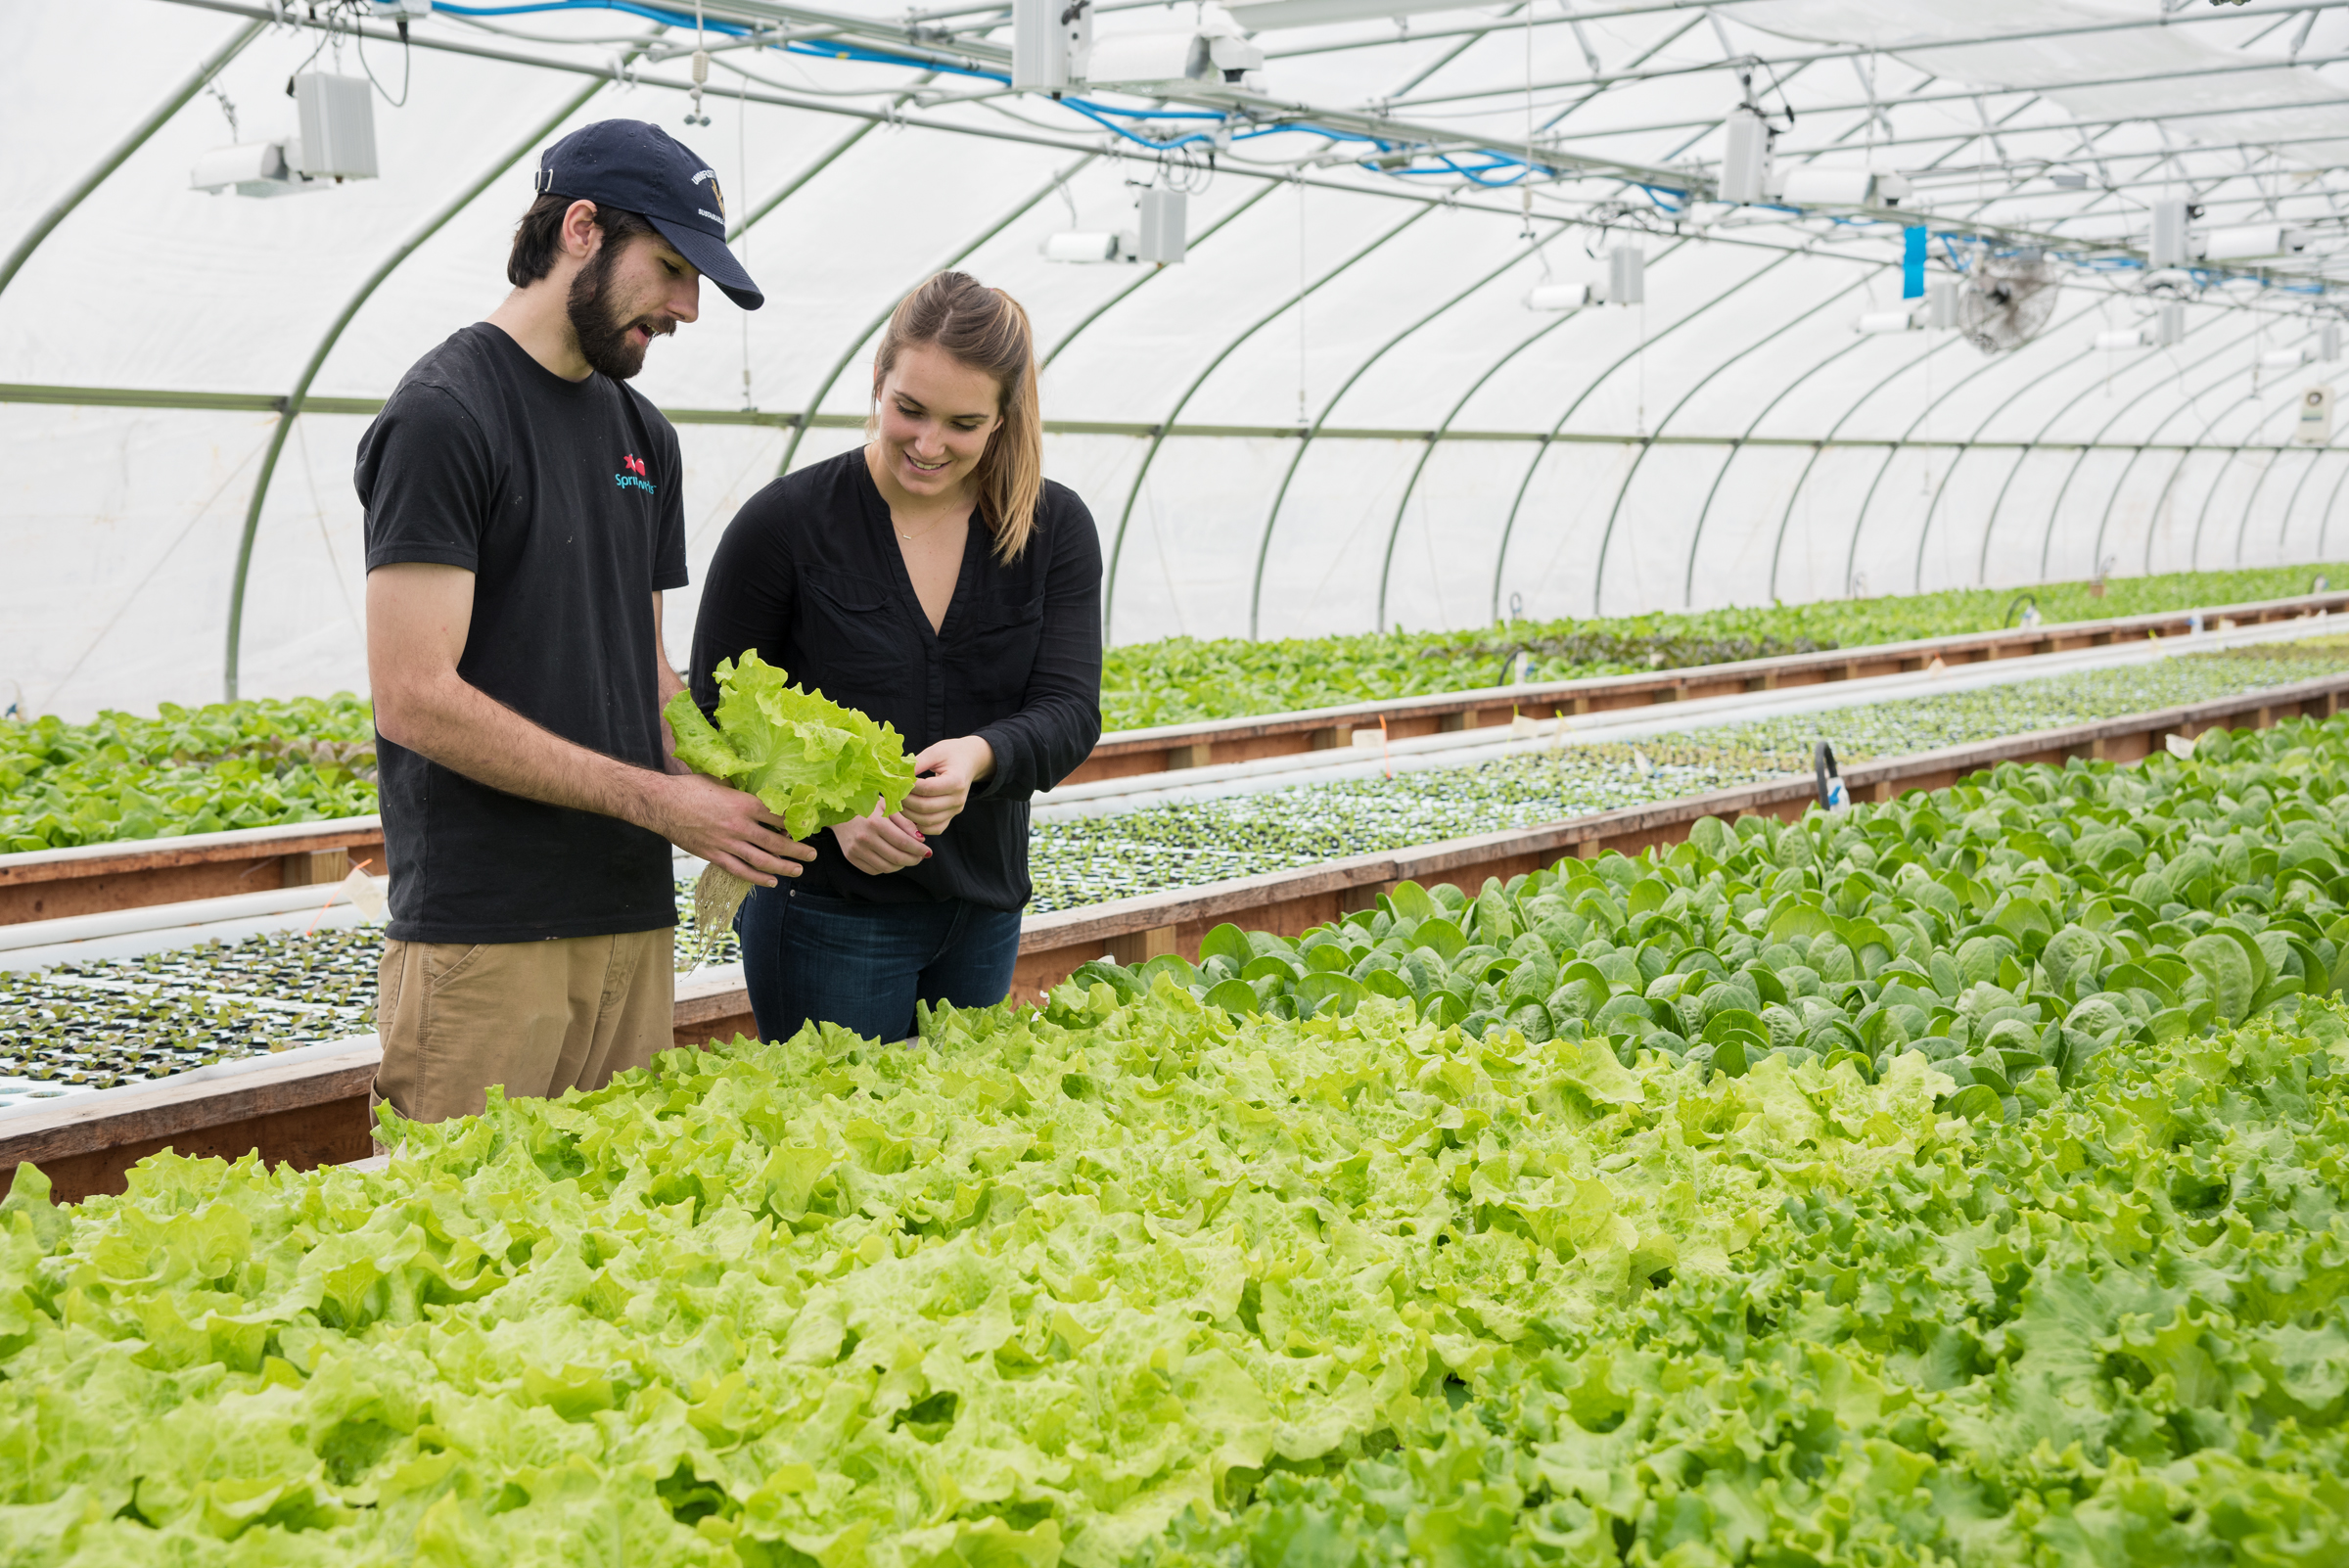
{"x":538,"y":1017}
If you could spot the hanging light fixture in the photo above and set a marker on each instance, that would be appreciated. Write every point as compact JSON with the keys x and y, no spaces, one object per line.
{"x":1557,"y":297}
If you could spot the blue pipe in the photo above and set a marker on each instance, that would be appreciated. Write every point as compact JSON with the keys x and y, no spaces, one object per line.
{"x":1105,"y":116}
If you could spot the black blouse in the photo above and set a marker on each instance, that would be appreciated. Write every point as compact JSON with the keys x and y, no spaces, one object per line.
{"x":809,"y":575}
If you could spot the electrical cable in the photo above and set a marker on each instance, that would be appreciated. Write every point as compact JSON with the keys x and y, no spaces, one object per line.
{"x":407,"y":64}
{"x":335,"y":20}
{"x":1486,"y":166}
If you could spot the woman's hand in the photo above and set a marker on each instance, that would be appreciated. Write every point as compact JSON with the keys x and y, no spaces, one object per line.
{"x":947,"y":772}
{"x":880,"y":843}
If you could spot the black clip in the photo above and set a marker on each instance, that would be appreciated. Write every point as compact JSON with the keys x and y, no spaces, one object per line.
{"x":1832,"y":796}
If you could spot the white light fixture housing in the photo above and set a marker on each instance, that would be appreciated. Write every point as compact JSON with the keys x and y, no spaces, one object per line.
{"x":1745,"y":157}
{"x":1091,"y":247}
{"x":2283,"y":359}
{"x":1941,"y":306}
{"x":1810,"y":185}
{"x":2125,"y":338}
{"x":2169,"y":243}
{"x":1559,"y":297}
{"x":2169,"y":323}
{"x":337,"y":114}
{"x":2329,"y":341}
{"x":1161,"y":239}
{"x":1876,"y":321}
{"x":1212,"y":50}
{"x":1049,"y":40}
{"x":1627,"y":275}
{"x":2246,"y":241}
{"x":2251,"y":240}
{"x":253,"y":169}
{"x":2313,"y":426}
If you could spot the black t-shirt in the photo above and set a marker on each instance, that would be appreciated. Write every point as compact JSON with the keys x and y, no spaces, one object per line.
{"x":809,"y":575}
{"x":562,"y":500}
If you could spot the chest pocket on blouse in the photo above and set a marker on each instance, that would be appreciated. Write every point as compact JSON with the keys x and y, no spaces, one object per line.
{"x":852,"y":638}
{"x":997,"y":655}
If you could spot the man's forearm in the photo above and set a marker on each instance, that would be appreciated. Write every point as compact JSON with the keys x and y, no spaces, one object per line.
{"x":464,"y":729}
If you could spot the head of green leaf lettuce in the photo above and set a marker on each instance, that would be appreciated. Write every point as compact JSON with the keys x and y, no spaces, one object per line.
{"x":811,"y":761}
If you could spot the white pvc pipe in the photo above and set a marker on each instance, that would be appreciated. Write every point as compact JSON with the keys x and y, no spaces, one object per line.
{"x":155,"y":927}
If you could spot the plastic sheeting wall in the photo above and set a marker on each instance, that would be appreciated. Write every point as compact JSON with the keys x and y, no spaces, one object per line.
{"x":1732,"y":439}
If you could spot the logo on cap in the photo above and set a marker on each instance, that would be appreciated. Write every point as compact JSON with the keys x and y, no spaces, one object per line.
{"x":715,"y":194}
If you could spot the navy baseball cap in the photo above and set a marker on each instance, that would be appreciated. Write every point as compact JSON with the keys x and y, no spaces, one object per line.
{"x":642,"y":168}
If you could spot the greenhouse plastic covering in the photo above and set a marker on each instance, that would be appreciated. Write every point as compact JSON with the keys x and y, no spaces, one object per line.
{"x":1337,"y":412}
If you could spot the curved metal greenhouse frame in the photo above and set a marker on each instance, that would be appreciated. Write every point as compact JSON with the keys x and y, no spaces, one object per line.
{"x":1423,"y":333}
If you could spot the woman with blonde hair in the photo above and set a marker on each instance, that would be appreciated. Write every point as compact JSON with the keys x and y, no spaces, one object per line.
{"x":936,"y":579}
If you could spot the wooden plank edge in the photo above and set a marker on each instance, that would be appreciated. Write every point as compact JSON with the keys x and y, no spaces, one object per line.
{"x":121,"y":856}
{"x":168,"y":1109}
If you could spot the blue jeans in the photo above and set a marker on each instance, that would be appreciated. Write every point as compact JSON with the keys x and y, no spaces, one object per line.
{"x":862,"y":966}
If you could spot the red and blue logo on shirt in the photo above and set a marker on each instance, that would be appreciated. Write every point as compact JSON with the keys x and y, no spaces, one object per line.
{"x":632,"y":474}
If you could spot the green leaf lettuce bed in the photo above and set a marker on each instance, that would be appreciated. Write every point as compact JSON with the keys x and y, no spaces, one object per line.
{"x":208,"y":769}
{"x":1137,"y":1281}
{"x":257,"y":764}
{"x":1185,"y":679}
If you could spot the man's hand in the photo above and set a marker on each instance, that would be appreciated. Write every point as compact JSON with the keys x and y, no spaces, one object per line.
{"x":879,"y":843}
{"x":947,"y":772}
{"x":727,"y":827}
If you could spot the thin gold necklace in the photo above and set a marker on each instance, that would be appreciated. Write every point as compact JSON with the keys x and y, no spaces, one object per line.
{"x":922,"y":533}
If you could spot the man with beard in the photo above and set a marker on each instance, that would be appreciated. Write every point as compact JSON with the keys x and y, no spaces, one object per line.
{"x":523,"y":522}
